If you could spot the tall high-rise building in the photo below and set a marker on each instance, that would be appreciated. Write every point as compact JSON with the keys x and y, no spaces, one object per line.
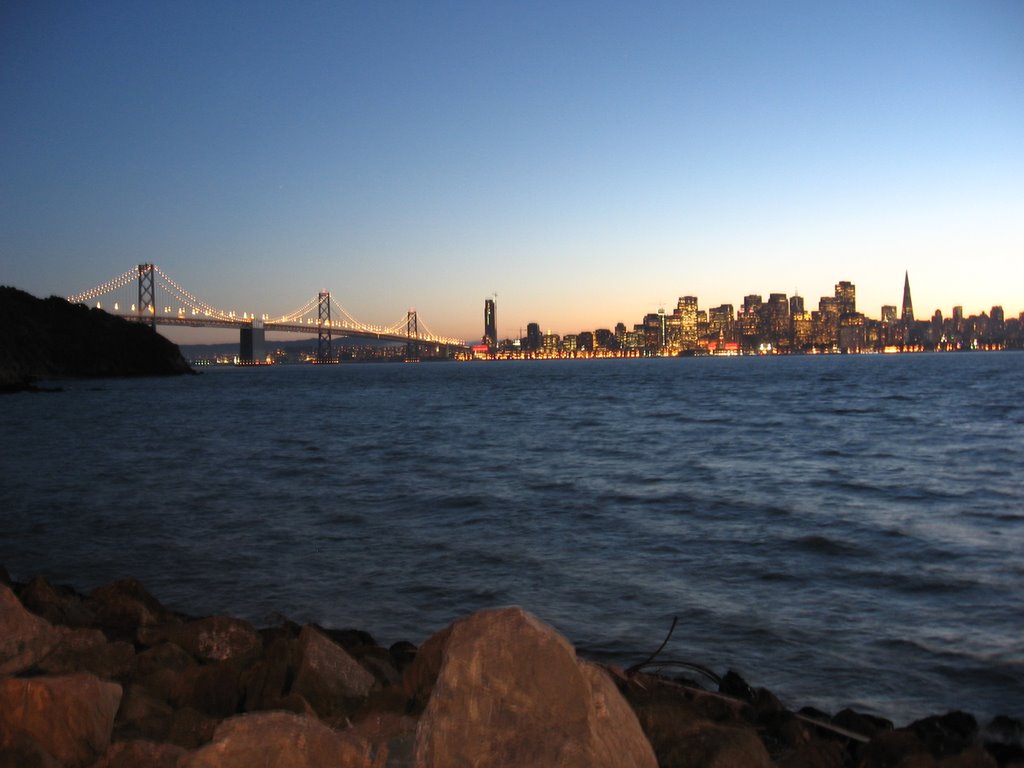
{"x":796,"y":305}
{"x":720,"y":322}
{"x":687,"y":311}
{"x":490,"y":324}
{"x":908,"y":306}
{"x":534,"y":339}
{"x":888,"y":314}
{"x":846,"y":297}
{"x":750,"y":316}
{"x":776,"y":313}
{"x":620,"y":333}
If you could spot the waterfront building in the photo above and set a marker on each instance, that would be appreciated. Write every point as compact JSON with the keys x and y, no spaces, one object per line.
{"x":654,"y":331}
{"x":846,"y":297}
{"x":888,"y":314}
{"x":750,"y":321}
{"x":796,"y":305}
{"x":803,"y":331}
{"x":490,"y":338}
{"x":550,"y":344}
{"x":852,"y":338}
{"x":776,"y":325}
{"x":534,"y":338}
{"x":907,"y":318}
{"x":686,"y":310}
{"x":605,"y":339}
{"x":721,"y":323}
{"x":620,"y":334}
{"x":826,"y":331}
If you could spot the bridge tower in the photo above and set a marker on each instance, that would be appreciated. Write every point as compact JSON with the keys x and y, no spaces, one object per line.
{"x":147,"y":293}
{"x":323,"y":338}
{"x":412,"y":336}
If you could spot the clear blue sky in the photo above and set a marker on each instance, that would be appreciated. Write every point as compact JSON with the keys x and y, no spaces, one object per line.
{"x":587,"y":161}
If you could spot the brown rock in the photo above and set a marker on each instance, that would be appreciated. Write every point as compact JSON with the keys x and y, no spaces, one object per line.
{"x":421,"y":674}
{"x":711,"y":745}
{"x":21,"y":751}
{"x":858,"y":722}
{"x":815,"y":754}
{"x":190,"y":728}
{"x":510,"y":692}
{"x":219,"y":638}
{"x":69,"y":716}
{"x":167,"y":671}
{"x":378,"y":662}
{"x":267,"y":681}
{"x":161,"y":657}
{"x":142,"y":716}
{"x":121,"y":607}
{"x":56,"y":604}
{"x":141,"y":754}
{"x":216,"y":690}
{"x":25,"y":638}
{"x":889,"y":748}
{"x":327,"y":677}
{"x":277,"y":740}
{"x":391,"y":737}
{"x":946,"y":735}
{"x":87,"y":650}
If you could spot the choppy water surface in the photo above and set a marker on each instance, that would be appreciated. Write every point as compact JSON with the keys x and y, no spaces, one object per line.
{"x":842,"y":530}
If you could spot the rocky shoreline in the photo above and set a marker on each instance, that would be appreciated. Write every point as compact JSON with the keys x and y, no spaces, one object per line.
{"x":53,"y":339}
{"x":113,"y":679}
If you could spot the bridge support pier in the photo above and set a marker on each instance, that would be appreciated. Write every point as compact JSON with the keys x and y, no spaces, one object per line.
{"x":252,"y":345}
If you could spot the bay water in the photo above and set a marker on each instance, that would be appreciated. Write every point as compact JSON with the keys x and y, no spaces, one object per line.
{"x":846,"y":531}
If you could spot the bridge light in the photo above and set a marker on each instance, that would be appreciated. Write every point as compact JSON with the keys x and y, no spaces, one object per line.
{"x":116,"y":307}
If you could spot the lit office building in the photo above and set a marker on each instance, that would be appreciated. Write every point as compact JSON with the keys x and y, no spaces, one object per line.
{"x":490,"y":325}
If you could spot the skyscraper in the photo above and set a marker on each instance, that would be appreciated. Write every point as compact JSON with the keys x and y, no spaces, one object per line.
{"x":687,"y":311}
{"x":846,"y":297}
{"x":533,"y":337}
{"x":490,"y":324}
{"x":908,"y":306}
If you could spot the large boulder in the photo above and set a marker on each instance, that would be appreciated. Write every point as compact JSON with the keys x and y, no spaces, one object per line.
{"x":219,"y":638}
{"x":140,"y":753}
{"x":25,"y":638}
{"x":277,"y":740}
{"x":508,"y":690}
{"x":88,"y":650}
{"x":70,"y":717}
{"x":327,"y":676}
{"x":56,"y":604}
{"x":123,"y":606}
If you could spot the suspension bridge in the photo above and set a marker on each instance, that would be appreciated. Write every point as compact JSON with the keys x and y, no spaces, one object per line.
{"x":134,"y":296}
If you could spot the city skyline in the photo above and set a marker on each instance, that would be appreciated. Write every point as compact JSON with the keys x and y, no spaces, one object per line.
{"x":780,"y":324}
{"x":811,"y":302}
{"x":582,"y":162}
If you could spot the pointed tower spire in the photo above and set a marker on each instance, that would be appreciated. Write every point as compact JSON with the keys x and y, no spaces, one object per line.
{"x":908,"y":305}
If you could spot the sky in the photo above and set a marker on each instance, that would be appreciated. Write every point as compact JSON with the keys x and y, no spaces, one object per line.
{"x":588,"y":162}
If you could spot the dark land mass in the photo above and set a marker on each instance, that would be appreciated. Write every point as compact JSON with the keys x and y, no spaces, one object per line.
{"x":113,"y":679}
{"x":54,"y":339}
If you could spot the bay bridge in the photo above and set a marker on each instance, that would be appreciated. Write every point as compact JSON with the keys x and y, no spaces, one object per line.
{"x":133,"y":296}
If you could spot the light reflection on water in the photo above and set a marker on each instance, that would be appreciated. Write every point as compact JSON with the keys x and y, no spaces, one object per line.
{"x":841,"y":530}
